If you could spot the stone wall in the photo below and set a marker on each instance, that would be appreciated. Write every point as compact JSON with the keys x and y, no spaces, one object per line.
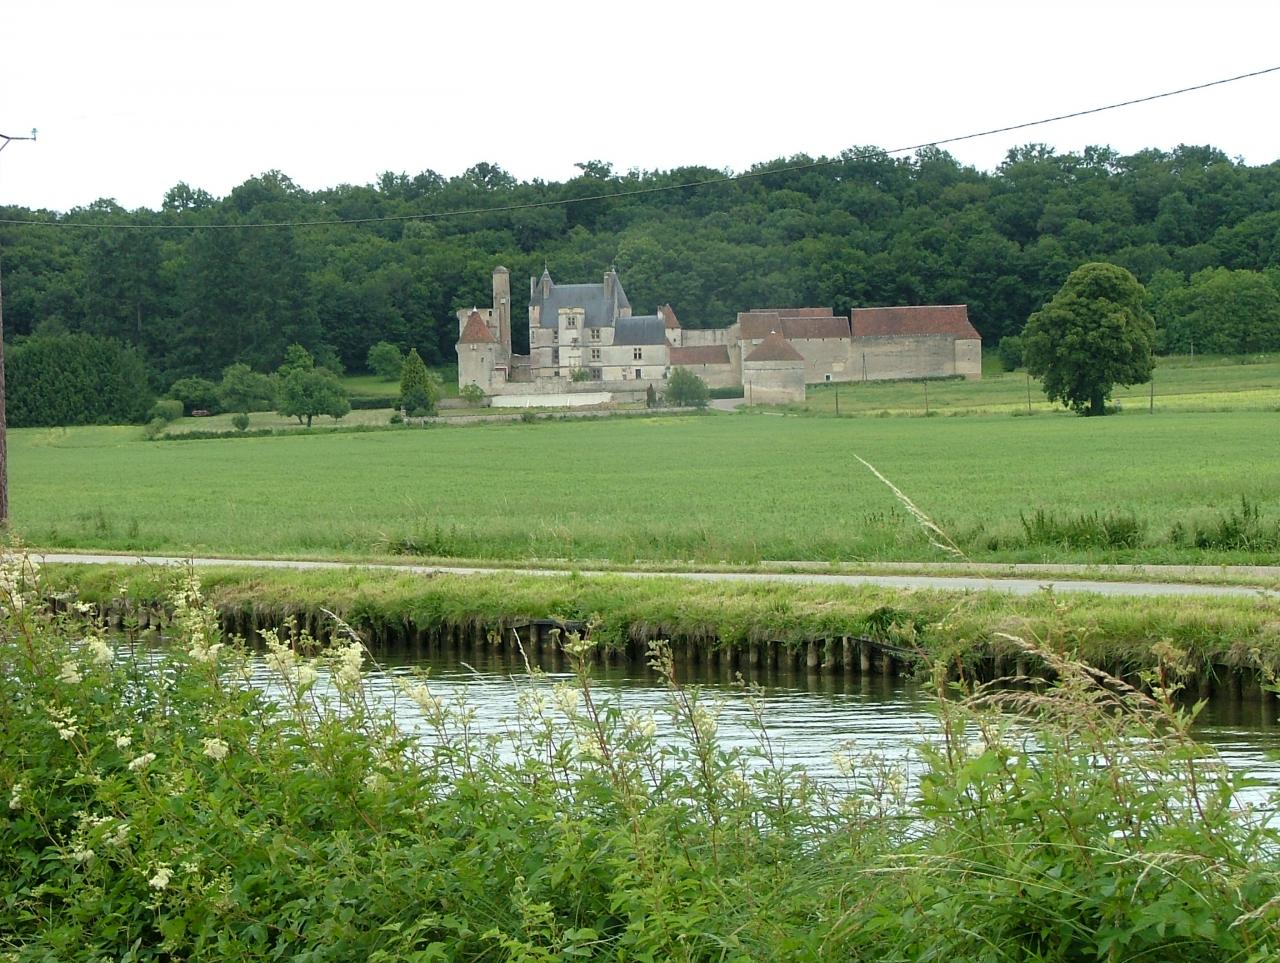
{"x":773,"y":382}
{"x":969,"y":359}
{"x":920,"y":356}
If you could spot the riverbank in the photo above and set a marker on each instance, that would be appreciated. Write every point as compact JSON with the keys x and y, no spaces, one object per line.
{"x":1221,"y":641}
{"x":192,"y":801}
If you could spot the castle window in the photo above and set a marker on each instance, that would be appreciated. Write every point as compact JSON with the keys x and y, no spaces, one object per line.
{"x":555,"y":336}
{"x":637,"y":353}
{"x":571,"y":322}
{"x":595,"y":354}
{"x":595,"y":334}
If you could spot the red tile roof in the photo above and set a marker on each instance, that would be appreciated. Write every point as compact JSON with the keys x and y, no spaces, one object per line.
{"x":669,"y":316}
{"x":758,"y":324}
{"x":700,"y":354}
{"x":774,"y":348}
{"x":943,"y":319}
{"x":476,"y":331}
{"x":795,"y":312}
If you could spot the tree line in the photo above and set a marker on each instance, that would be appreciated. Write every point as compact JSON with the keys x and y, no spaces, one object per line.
{"x":1201,"y":230}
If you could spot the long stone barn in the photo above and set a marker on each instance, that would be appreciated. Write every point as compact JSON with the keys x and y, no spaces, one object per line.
{"x":586,"y":345}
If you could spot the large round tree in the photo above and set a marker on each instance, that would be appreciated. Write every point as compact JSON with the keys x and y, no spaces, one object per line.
{"x":1093,"y":335}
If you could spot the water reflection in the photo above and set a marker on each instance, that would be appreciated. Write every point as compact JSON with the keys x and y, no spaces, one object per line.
{"x":809,"y":716}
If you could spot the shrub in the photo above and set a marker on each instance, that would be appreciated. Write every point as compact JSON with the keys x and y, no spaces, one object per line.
{"x":240,"y":421}
{"x":397,"y":418}
{"x":75,"y":379}
{"x":580,"y":374}
{"x":154,"y":428}
{"x":686,"y":390}
{"x":528,"y":417}
{"x":385,"y":360}
{"x":166,"y":409}
{"x":196,"y":394}
{"x":472,"y":394}
{"x":728,"y":391}
{"x":419,"y":389}
{"x":1009,"y":351}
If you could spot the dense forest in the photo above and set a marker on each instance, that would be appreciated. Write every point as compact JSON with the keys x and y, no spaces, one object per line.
{"x":193,"y":288}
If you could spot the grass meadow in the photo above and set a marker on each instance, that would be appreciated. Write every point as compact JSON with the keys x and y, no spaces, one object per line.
{"x":1249,"y":383}
{"x":1177,"y":487}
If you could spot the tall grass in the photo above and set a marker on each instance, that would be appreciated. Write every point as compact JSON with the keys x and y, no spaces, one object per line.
{"x":168,"y":806}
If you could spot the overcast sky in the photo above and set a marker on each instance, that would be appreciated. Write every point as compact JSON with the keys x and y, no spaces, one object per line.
{"x":131,"y":96}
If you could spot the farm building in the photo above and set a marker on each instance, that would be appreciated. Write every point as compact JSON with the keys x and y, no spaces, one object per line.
{"x":584,"y":338}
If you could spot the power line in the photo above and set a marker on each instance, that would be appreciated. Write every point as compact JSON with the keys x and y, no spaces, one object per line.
{"x":639,"y":191}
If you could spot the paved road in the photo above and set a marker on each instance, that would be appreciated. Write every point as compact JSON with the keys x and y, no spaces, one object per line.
{"x":1012,"y":586}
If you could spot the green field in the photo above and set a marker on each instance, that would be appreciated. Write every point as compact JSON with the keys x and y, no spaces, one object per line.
{"x":1250,"y":383}
{"x":727,"y":488}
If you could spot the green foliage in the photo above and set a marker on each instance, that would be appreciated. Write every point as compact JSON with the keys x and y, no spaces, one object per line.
{"x":385,"y":360}
{"x":75,"y":379}
{"x":166,"y":409}
{"x":1095,"y":334}
{"x":196,"y":394}
{"x":419,"y":388}
{"x":472,"y":394}
{"x":326,"y":356}
{"x":307,"y":392}
{"x":162,"y":807}
{"x":1010,"y":352}
{"x":686,"y":389}
{"x":580,"y":375}
{"x":866,"y":228}
{"x":296,"y":356}
{"x":240,"y":420}
{"x":726,"y":391}
{"x":244,"y":390}
{"x":1219,"y":312}
{"x":1087,"y":530}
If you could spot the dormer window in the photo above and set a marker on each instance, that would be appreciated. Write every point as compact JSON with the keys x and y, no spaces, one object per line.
{"x":571,"y":322}
{"x":595,"y":334}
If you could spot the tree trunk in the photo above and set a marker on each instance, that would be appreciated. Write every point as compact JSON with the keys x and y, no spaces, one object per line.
{"x":1097,"y":404}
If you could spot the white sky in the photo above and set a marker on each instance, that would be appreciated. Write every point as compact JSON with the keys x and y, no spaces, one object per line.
{"x":133,"y":96}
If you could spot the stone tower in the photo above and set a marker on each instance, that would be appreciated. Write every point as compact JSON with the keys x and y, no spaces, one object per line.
{"x":502,"y":307}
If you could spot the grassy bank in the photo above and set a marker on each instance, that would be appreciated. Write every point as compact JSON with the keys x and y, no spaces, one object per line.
{"x":1194,"y":488}
{"x":161,"y":806}
{"x":1124,"y":634}
{"x":1248,"y":383}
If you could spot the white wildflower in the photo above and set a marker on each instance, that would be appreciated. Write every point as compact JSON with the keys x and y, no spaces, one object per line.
{"x":124,"y":742}
{"x":375,"y":782}
{"x":99,"y":652}
{"x":141,"y":762}
{"x":190,"y":866}
{"x":81,"y":854}
{"x":70,"y":673}
{"x":704,"y":723}
{"x":643,"y":724}
{"x":120,"y":836}
{"x":305,"y":675}
{"x":161,"y":878}
{"x":15,"y":796}
{"x":566,"y":698}
{"x":586,"y":747}
{"x":84,"y":608}
{"x":349,"y":659}
{"x":65,"y":723}
{"x":843,"y":763}
{"x":421,"y":695}
{"x":215,"y":749}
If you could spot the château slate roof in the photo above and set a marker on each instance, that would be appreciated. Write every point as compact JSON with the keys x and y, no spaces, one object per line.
{"x":774,"y":348}
{"x":793,"y":325}
{"x":476,"y":331}
{"x":642,"y":329}
{"x":590,"y":297}
{"x":700,"y":354}
{"x":951,"y":320}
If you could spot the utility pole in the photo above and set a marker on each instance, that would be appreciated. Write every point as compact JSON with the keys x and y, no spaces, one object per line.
{"x":5,"y":140}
